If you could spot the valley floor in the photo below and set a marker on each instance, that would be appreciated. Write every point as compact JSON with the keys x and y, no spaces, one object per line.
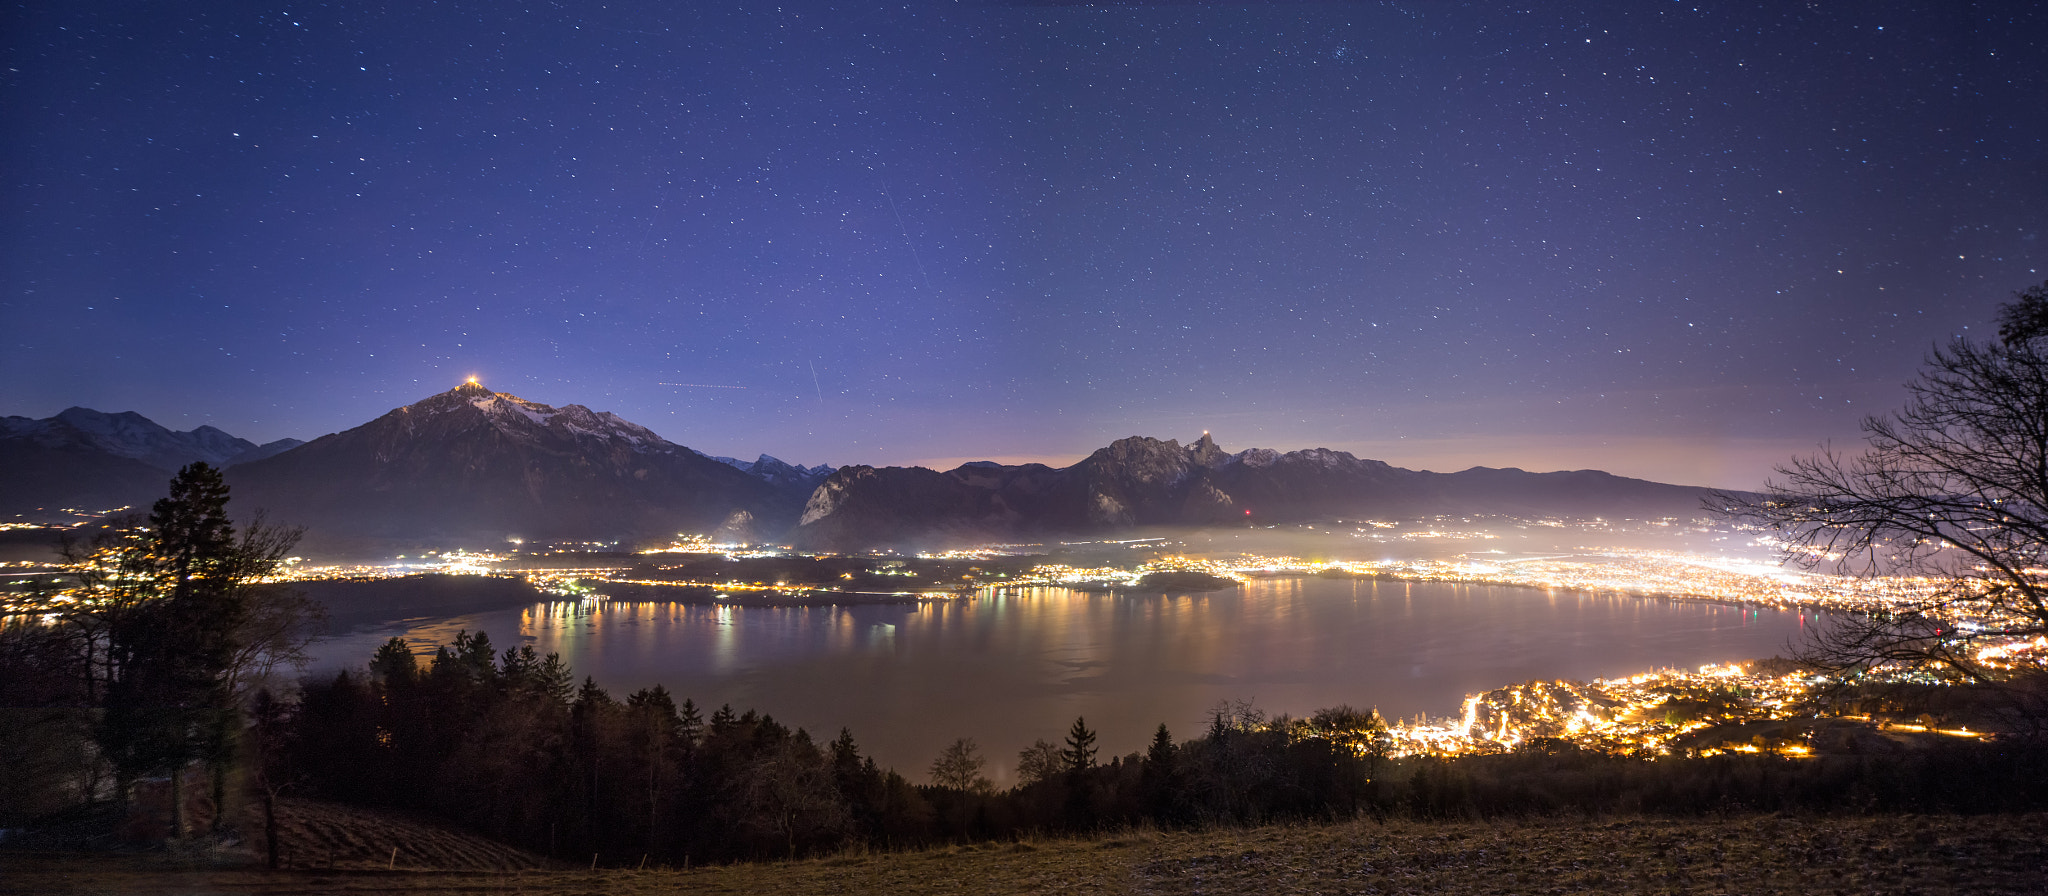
{"x":1754,"y":854}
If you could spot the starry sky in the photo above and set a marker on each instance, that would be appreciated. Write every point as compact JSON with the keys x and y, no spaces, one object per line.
{"x":1670,"y":240}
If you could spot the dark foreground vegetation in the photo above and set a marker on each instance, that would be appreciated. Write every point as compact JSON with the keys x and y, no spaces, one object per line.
{"x":505,"y":745}
{"x":1750,"y":854}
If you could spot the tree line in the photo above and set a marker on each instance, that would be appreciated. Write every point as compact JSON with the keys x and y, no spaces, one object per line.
{"x":505,"y":744}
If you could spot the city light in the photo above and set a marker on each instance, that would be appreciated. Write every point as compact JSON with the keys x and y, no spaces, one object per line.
{"x":1658,"y":712}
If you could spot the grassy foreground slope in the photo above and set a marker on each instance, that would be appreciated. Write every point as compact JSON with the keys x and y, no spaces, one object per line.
{"x":1755,"y":854}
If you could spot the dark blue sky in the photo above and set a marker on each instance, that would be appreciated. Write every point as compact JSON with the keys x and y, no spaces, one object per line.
{"x":1670,"y":240}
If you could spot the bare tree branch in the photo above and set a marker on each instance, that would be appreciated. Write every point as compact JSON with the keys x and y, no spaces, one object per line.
{"x":1952,"y":490}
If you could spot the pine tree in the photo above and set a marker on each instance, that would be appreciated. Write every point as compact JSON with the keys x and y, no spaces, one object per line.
{"x":1080,"y":751}
{"x":1080,"y":758}
{"x":173,"y":603}
{"x":393,"y":664}
{"x":1160,"y":780}
{"x":691,"y":724}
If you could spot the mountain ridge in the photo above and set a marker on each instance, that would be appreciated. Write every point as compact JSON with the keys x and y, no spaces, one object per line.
{"x":1138,"y":482}
{"x":479,"y":465}
{"x":483,"y":466}
{"x":87,"y":460}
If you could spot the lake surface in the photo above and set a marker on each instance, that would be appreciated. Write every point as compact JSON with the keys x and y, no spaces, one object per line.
{"x":1007,"y":669}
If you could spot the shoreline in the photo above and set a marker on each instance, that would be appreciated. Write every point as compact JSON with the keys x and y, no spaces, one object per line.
{"x":342,"y":618}
{"x":1816,"y":606}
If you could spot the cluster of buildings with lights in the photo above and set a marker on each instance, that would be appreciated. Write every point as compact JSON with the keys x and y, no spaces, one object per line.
{"x":1712,"y":711}
{"x":1649,"y":714}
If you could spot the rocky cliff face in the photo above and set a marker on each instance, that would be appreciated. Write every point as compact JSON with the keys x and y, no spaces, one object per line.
{"x":481,"y":465}
{"x":863,"y":506}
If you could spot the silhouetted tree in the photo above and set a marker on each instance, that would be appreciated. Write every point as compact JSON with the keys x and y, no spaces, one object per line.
{"x":335,"y":744}
{"x":2025,"y":318}
{"x":1163,"y":784}
{"x":787,"y":790}
{"x":173,"y":615}
{"x":1954,"y":486}
{"x":1079,"y":758}
{"x":658,"y":737}
{"x":959,"y":768}
{"x":595,"y":738}
{"x":394,"y":665}
{"x":1039,"y":762}
{"x":1080,"y":752}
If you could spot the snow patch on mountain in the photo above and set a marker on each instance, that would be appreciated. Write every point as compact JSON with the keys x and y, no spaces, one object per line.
{"x":1323,"y":458}
{"x":778,"y":471}
{"x":513,"y":414}
{"x":1256,"y":458}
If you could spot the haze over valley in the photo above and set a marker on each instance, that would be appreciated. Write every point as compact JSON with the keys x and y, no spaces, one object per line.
{"x":855,"y":449}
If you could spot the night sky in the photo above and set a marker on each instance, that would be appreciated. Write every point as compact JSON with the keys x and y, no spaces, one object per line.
{"x":1668,"y":240}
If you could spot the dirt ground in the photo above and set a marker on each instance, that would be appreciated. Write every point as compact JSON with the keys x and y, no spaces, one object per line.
{"x":1737,"y":855}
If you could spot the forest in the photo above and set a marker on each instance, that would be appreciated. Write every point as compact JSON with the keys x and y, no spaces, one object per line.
{"x":507,"y":745}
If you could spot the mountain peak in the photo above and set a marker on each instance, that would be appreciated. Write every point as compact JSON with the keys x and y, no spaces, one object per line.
{"x":511,"y":414}
{"x":473,"y":463}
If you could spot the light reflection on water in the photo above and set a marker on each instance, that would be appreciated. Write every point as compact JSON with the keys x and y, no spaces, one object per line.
{"x":1006,"y":669}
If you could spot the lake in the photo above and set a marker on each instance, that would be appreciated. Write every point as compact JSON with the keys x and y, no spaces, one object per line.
{"x":1010,"y":668}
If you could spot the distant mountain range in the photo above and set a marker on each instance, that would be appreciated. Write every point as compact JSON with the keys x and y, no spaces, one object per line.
{"x":86,"y":460}
{"x":475,"y":466}
{"x":776,"y":471}
{"x":1143,"y":482}
{"x":471,"y":464}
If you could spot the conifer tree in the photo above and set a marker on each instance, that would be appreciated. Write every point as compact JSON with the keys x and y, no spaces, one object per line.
{"x":1080,"y":751}
{"x":1080,"y":758}
{"x":171,"y":605}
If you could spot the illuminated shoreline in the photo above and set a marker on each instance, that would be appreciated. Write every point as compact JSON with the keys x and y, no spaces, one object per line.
{"x":1650,"y":713}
